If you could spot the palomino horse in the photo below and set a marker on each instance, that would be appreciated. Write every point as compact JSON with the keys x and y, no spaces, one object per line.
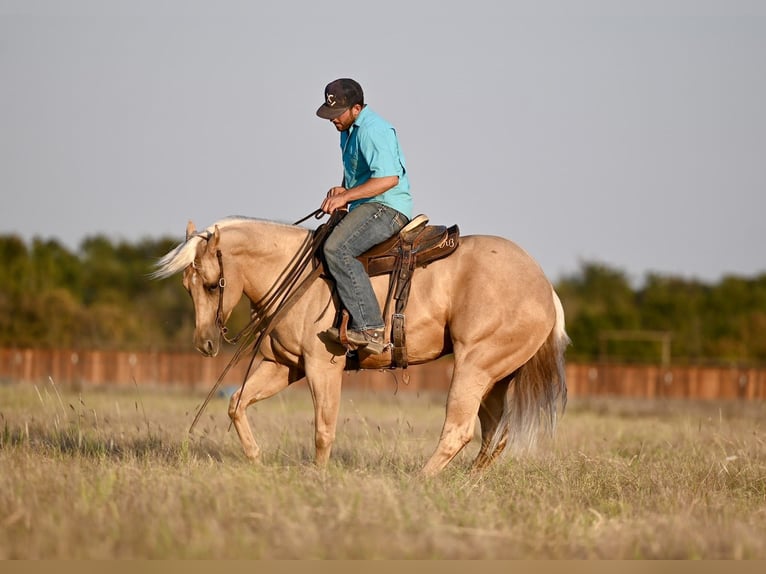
{"x":489,"y":304}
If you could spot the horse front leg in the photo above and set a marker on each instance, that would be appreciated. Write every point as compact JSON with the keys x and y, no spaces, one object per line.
{"x":266,"y":380}
{"x":324,"y":380}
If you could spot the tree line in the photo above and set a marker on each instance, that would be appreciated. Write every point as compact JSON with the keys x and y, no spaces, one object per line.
{"x":100,"y":297}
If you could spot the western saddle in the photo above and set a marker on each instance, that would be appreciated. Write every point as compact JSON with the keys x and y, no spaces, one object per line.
{"x":416,"y":245}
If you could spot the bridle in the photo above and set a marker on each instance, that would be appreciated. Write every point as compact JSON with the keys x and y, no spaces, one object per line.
{"x":219,"y":322}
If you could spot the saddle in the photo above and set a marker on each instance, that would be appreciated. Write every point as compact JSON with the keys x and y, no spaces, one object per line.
{"x":416,"y":245}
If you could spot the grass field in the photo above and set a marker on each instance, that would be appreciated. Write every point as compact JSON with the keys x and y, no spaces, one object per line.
{"x":107,"y":474}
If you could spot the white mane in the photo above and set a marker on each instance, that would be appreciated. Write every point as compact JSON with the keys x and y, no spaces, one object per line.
{"x":182,"y":255}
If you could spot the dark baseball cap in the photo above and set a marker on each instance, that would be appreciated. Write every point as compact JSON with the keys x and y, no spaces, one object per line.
{"x":339,"y":96}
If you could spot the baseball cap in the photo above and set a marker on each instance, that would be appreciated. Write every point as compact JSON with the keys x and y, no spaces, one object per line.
{"x":339,"y":96}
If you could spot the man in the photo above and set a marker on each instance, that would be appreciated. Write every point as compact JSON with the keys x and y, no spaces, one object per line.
{"x":376,"y":191}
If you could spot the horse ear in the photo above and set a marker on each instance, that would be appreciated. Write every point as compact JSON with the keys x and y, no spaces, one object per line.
{"x":212,"y":243}
{"x":190,"y":230}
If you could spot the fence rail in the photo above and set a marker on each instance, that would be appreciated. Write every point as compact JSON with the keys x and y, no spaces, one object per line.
{"x":119,"y":368}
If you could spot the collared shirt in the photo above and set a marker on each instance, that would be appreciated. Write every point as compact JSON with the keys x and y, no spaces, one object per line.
{"x":371,"y":149}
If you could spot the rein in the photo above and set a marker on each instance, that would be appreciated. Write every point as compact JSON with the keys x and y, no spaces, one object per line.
{"x":317,"y":214}
{"x":284,"y":297}
{"x":219,"y":322}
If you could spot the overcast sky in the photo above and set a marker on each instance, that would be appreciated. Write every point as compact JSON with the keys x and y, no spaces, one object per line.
{"x":628,"y":133}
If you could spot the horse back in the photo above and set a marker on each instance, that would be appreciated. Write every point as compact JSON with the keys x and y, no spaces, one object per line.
{"x":488,"y":288}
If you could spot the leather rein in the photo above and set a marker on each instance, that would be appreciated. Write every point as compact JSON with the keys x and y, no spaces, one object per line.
{"x":281,"y":290}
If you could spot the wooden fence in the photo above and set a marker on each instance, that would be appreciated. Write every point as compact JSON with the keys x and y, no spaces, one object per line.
{"x":117,"y":368}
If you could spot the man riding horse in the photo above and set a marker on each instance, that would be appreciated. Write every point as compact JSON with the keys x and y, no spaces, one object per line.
{"x":489,"y":304}
{"x":376,"y":191}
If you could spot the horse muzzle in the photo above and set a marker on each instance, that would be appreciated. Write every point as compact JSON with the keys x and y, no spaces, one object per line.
{"x":208,"y":345}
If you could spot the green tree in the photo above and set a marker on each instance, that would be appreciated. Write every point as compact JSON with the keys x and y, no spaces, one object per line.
{"x":677,"y":306}
{"x":101,"y":297}
{"x":14,"y":269}
{"x":596,"y":300}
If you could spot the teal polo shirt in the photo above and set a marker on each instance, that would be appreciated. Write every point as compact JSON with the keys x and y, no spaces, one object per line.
{"x":371,"y":149}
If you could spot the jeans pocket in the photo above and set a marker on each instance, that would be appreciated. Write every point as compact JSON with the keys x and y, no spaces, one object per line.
{"x":399,"y":220}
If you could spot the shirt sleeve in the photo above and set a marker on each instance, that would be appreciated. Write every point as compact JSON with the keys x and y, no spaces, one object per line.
{"x":380,"y":149}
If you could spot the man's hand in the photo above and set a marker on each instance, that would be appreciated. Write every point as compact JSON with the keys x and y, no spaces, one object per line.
{"x":336,"y":199}
{"x":339,"y":197}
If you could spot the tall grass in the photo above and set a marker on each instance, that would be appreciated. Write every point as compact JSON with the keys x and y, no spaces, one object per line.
{"x":103,"y":474}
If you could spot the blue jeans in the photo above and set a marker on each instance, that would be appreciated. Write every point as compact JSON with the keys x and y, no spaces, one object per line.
{"x":362,"y":228}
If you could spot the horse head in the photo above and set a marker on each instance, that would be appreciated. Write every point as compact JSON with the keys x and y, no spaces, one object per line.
{"x":213,"y":293}
{"x":217,"y":265}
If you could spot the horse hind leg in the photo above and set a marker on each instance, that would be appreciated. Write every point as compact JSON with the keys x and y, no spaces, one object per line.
{"x":538,"y":397}
{"x":490,"y":415}
{"x":469,"y":386}
{"x":266,"y":380}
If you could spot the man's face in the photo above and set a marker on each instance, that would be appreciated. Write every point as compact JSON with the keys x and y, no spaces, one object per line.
{"x":347,"y":118}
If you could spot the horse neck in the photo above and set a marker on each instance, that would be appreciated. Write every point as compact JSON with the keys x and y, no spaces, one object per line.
{"x":262,"y":252}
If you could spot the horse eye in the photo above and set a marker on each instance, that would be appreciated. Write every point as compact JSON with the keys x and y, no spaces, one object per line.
{"x":211,"y":288}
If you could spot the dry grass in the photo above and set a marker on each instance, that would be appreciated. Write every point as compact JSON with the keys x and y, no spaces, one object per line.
{"x":115,"y":475}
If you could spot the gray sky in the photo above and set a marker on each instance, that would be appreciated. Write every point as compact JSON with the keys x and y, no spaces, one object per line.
{"x":629,"y":133}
